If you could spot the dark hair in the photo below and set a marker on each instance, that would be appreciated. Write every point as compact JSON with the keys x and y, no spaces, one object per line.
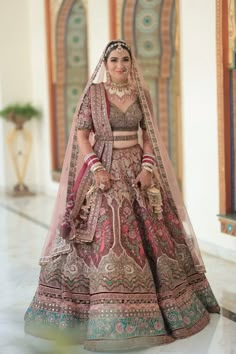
{"x":114,"y":45}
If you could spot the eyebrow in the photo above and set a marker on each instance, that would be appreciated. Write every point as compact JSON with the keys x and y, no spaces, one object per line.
{"x":121,"y":58}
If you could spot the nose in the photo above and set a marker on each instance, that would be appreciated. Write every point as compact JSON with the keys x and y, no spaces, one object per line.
{"x":120,"y":65}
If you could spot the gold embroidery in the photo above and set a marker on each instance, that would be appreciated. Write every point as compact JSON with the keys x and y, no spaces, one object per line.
{"x":116,"y":137}
{"x":125,"y":121}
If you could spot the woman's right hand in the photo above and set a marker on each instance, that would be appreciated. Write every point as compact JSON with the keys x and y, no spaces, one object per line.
{"x":103,"y":180}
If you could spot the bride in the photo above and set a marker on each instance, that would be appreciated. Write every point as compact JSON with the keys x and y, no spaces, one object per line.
{"x":121,"y":268}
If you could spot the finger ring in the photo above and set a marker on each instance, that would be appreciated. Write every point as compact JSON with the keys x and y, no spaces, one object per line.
{"x":102,"y":186}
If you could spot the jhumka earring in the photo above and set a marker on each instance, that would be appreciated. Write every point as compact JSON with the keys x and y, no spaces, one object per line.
{"x":108,"y":77}
{"x":130,"y":78}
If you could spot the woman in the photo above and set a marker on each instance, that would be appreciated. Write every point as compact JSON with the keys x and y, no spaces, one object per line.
{"x":121,"y":268}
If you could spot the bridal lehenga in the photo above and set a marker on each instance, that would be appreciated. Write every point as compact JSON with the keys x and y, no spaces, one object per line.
{"x":126,"y":277}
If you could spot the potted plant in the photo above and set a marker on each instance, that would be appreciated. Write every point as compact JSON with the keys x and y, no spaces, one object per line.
{"x":19,"y":113}
{"x":19,"y":141}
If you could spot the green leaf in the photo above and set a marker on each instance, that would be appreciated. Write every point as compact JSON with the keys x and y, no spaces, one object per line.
{"x":24,"y":111}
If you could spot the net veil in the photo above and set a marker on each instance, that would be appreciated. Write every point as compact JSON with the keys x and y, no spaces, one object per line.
{"x":73,"y":168}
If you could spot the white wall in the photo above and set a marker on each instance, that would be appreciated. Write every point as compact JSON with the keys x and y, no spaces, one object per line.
{"x":2,"y":160}
{"x":15,"y":84}
{"x":98,"y":29}
{"x":39,"y":82}
{"x":23,"y":72}
{"x":15,"y":50}
{"x":200,"y":140}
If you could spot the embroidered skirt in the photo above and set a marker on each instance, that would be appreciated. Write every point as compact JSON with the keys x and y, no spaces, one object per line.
{"x":134,"y":286}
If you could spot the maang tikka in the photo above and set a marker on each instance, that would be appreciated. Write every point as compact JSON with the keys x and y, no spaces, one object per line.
{"x":119,"y":48}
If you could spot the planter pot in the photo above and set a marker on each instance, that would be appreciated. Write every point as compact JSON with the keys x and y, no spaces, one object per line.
{"x":20,"y":144}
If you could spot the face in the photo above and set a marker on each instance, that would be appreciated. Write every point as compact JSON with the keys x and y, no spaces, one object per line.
{"x":118,"y":65}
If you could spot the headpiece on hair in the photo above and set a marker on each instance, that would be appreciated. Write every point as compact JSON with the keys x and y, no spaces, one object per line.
{"x":119,"y":46}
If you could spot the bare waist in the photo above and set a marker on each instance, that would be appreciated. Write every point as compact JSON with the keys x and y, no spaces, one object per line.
{"x":121,"y":140}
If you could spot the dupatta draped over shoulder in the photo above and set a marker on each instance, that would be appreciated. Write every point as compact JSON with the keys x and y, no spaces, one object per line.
{"x":77,"y":196}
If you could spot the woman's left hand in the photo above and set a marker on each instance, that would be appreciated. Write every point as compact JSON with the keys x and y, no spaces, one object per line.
{"x":144,"y":179}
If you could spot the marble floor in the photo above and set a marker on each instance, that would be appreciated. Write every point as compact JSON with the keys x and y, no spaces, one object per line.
{"x":23,"y":224}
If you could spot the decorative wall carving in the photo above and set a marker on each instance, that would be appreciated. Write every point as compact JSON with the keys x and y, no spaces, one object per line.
{"x":68,"y":64}
{"x":152,"y":27}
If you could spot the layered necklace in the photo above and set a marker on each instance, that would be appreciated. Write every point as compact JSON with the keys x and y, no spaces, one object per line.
{"x":121,"y":91}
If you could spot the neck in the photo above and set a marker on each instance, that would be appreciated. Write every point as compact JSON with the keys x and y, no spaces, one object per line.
{"x":120,"y":83}
{"x":121,"y":91}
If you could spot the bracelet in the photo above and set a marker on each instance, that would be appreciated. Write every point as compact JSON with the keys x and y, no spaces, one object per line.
{"x":149,"y":154}
{"x":149,"y":158}
{"x":91,"y":159}
{"x":88,"y":156}
{"x":99,"y":169}
{"x":147,"y":169}
{"x":94,"y":165}
{"x":93,"y":162}
{"x":150,"y":165}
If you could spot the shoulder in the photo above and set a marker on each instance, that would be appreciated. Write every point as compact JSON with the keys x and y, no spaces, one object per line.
{"x":96,"y":87}
{"x":95,"y":90}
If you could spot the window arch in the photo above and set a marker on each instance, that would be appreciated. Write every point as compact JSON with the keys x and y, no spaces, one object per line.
{"x":68,"y":68}
{"x":152,"y":28}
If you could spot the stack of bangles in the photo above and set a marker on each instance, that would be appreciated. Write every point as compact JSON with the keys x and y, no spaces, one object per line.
{"x":93,"y":163}
{"x":148,"y":162}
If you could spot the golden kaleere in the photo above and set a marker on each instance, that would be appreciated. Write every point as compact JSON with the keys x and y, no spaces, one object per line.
{"x":155,"y":200}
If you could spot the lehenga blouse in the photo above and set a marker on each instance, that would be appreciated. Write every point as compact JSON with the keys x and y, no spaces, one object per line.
{"x":130,"y":120}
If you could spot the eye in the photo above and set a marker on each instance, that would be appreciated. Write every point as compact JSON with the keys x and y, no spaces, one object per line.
{"x":126,"y":59}
{"x":113,"y":59}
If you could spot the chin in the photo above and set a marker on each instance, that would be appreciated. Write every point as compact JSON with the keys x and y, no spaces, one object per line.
{"x":121,"y":79}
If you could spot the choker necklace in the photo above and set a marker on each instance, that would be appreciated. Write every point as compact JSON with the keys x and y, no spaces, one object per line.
{"x":121,"y":91}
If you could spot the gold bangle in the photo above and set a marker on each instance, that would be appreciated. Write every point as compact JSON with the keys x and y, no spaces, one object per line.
{"x":147,"y":169}
{"x":99,"y":169}
{"x":97,"y":165}
{"x":147,"y":164}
